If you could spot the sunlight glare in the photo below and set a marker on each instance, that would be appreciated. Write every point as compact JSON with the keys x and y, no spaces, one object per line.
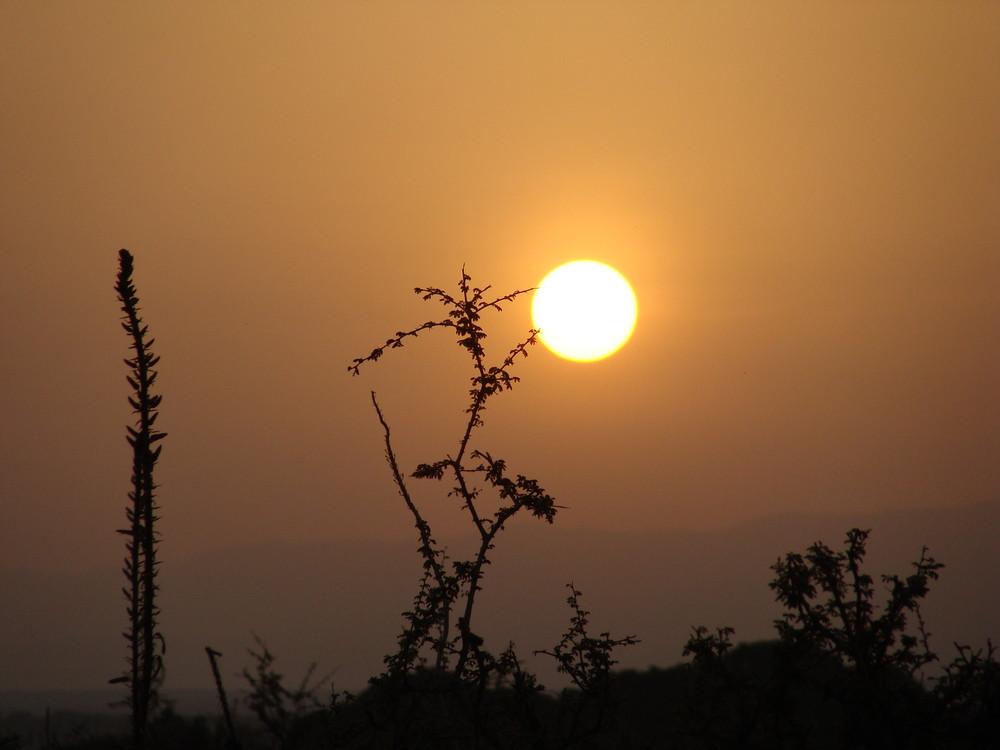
{"x":584,"y":310}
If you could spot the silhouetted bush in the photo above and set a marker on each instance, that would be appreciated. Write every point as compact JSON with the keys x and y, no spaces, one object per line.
{"x":846,"y":672}
{"x":443,"y":687}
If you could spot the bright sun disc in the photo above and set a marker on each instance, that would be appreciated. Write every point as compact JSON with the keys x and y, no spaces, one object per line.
{"x":584,"y":310}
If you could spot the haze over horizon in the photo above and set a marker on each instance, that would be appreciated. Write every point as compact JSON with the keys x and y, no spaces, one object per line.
{"x":803,"y":196}
{"x":338,"y":603}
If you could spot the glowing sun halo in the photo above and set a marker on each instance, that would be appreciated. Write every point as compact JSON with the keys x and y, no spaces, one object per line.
{"x":584,"y":310}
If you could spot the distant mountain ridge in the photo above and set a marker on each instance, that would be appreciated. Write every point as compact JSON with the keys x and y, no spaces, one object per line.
{"x":339,"y":603}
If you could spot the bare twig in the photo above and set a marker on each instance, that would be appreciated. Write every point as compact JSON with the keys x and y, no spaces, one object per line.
{"x":234,"y":742}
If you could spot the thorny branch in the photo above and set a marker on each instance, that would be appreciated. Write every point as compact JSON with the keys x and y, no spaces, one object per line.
{"x":464,"y":318}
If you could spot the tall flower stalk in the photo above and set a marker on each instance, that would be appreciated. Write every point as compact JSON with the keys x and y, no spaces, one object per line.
{"x":146,"y":646}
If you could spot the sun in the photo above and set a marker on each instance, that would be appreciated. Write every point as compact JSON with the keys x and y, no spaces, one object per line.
{"x":584,"y":310}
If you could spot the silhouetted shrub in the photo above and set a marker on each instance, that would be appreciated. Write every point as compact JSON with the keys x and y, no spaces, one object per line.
{"x":846,"y":672}
{"x":443,"y":687}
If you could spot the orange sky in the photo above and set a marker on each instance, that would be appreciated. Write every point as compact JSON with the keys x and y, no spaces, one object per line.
{"x":804,"y":196}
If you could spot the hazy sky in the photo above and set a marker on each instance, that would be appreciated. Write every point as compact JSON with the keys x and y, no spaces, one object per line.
{"x":805,"y":196}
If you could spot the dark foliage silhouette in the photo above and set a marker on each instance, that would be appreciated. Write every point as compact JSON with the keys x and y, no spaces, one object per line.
{"x":281,"y":710}
{"x":968,"y":697}
{"x":832,"y":616}
{"x":591,"y":709}
{"x":846,"y":671}
{"x":830,"y":607}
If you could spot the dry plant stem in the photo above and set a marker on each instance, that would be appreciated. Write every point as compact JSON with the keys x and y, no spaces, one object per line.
{"x":480,"y":394}
{"x":427,"y":549}
{"x":422,"y":526}
{"x":234,"y":743}
{"x":487,"y":530}
{"x":145,"y":659}
{"x":476,"y":574}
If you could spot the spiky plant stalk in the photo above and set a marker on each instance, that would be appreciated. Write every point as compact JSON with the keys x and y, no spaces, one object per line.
{"x":145,"y":642}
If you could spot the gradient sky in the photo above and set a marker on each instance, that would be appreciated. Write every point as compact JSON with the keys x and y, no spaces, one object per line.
{"x":805,"y":196}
